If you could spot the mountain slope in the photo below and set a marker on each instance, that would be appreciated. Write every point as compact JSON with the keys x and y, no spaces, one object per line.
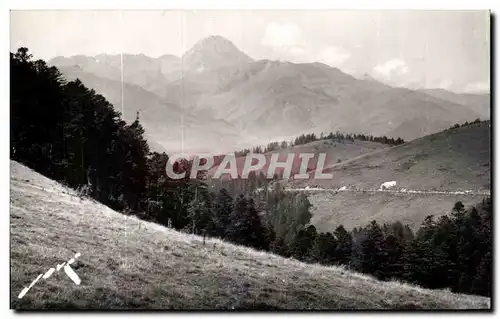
{"x":456,"y":160}
{"x":167,"y":125}
{"x":359,"y":208}
{"x":450,"y":160}
{"x":126,"y":263}
{"x":269,"y":98}
{"x":264,"y":100}
{"x":335,"y":152}
{"x":479,"y":103}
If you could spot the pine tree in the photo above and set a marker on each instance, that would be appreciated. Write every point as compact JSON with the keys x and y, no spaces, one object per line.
{"x":373,"y":251}
{"x":324,"y":249}
{"x":245,"y":227}
{"x":201,"y":220}
{"x":223,"y":207}
{"x":344,"y":246}
{"x":303,"y":243}
{"x":482,"y":281}
{"x":134,"y":163}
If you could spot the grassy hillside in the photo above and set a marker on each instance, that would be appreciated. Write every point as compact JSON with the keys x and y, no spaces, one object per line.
{"x":452,"y":160}
{"x":354,"y":209}
{"x":128,"y":263}
{"x":449,"y":160}
{"x":336,"y":152}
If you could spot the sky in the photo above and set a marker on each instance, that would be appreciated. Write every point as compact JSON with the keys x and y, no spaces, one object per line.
{"x":414,"y":49}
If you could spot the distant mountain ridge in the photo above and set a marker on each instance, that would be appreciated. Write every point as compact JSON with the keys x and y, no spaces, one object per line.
{"x":264,"y":100}
{"x":149,"y":73}
{"x":479,"y":103}
{"x":162,"y":120}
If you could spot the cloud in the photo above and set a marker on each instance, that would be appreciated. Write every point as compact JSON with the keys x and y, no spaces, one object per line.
{"x":396,"y":72}
{"x":297,"y":51}
{"x":334,"y":56}
{"x":287,"y":42}
{"x":282,"y":35}
{"x":445,"y":84}
{"x":478,"y":87}
{"x":391,"y":69}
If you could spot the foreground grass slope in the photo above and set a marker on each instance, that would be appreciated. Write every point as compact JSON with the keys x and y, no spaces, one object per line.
{"x":128,"y":263}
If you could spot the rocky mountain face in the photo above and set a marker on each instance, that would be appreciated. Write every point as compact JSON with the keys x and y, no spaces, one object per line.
{"x":213,"y":53}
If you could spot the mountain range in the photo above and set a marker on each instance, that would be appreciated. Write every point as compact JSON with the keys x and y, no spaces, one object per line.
{"x":217,"y":98}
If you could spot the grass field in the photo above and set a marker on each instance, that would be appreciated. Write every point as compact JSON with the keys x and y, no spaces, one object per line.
{"x":453,"y":160}
{"x":128,"y":263}
{"x":335,"y":152}
{"x":449,"y":160}
{"x":354,"y":209}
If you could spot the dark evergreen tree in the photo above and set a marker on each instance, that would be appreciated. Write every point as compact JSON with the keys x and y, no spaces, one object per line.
{"x":303,"y":243}
{"x":482,"y":282}
{"x":343,"y":250}
{"x":279,"y":247}
{"x":200,"y":214}
{"x":223,"y":206}
{"x":324,"y":249}
{"x":245,"y":227}
{"x":373,"y":251}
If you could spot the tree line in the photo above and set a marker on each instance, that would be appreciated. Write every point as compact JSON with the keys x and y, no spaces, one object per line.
{"x":476,"y":121}
{"x":311,"y":137}
{"x":71,"y":134}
